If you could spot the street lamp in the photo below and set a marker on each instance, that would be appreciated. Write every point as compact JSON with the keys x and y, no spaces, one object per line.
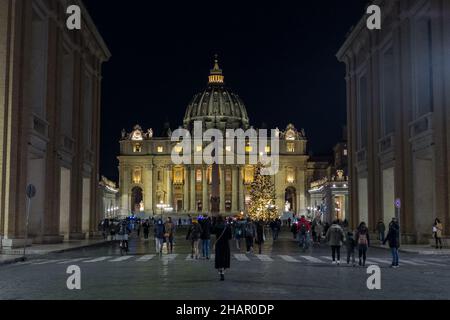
{"x":162,"y":206}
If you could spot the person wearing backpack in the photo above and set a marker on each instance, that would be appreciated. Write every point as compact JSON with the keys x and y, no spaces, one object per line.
{"x":194,"y":234}
{"x":304,"y":228}
{"x":250,"y":234}
{"x":363,"y":242}
{"x":335,"y":238}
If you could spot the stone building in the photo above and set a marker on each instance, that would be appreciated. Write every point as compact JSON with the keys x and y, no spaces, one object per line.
{"x":50,"y":81}
{"x":108,"y":199}
{"x":329,"y":194}
{"x":398,"y":89}
{"x":149,"y":179}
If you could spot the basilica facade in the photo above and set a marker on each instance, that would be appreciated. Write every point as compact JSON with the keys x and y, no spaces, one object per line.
{"x":151,"y":183}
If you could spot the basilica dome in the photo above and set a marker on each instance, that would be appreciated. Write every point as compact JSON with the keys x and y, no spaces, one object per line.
{"x":217,"y":106}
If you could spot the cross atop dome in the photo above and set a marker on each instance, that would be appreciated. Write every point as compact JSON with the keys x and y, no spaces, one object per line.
{"x":216,"y":75}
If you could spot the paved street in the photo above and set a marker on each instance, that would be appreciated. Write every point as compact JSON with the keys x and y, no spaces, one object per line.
{"x":283,"y":271}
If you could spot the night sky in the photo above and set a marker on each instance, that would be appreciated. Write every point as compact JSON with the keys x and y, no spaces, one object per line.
{"x":278,"y":57}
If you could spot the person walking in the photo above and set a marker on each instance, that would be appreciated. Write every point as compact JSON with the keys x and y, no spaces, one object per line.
{"x":363,"y":241}
{"x":138,"y":228}
{"x":250,"y":235}
{"x":169,"y":230}
{"x":437,"y":233}
{"x":146,"y":229}
{"x":318,"y":228}
{"x":223,"y":234}
{"x":393,"y":237}
{"x":289,"y":222}
{"x":303,"y":230}
{"x":294,"y":230}
{"x":205,"y":223}
{"x":159,"y":232}
{"x":350,"y":245}
{"x":335,"y":238}
{"x":194,"y":234}
{"x":381,"y":230}
{"x":273,"y":229}
{"x":260,"y":237}
{"x":238,"y":233}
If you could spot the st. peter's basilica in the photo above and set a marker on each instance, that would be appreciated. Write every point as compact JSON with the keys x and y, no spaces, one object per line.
{"x":149,"y":181}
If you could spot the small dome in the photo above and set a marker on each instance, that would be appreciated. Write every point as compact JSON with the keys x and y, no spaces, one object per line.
{"x":217,"y":106}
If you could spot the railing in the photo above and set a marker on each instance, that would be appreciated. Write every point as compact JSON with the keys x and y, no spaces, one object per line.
{"x":361,"y":155}
{"x":67,"y":143}
{"x":387,"y":143}
{"x":40,"y":126}
{"x":421,"y":125}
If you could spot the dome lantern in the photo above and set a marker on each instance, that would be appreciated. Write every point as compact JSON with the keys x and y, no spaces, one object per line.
{"x":217,"y":106}
{"x":216,"y":75}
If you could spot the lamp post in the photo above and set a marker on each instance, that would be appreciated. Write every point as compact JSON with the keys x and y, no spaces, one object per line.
{"x":162,"y":206}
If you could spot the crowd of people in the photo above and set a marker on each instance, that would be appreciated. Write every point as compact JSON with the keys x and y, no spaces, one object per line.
{"x":247,"y":233}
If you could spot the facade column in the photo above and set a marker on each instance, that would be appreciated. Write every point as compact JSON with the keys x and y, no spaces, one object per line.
{"x":222,"y":189}
{"x":234,"y":189}
{"x":169,"y":186}
{"x":241,"y":189}
{"x":125,"y":189}
{"x":192,"y":188}
{"x":205,"y":199}
{"x":148,"y":188}
{"x":186,"y":189}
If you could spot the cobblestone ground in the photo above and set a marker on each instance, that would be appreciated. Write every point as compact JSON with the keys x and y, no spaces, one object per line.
{"x":282,"y":272}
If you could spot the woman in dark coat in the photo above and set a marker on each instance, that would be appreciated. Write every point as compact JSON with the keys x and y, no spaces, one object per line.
{"x":223,"y":237}
{"x":260,"y":235}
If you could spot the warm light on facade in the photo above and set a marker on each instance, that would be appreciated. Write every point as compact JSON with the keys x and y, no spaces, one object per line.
{"x":290,"y":147}
{"x":178,"y":149}
{"x":199,"y":149}
{"x":137,"y":148}
{"x":160,"y":149}
{"x":216,"y":79}
{"x":268,"y":149}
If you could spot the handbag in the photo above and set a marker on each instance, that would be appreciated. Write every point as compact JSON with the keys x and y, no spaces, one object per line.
{"x":220,"y":237}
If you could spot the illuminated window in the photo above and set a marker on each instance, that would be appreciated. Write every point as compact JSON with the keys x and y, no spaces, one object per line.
{"x":345,"y":152}
{"x":248,"y":148}
{"x":178,"y":176}
{"x":249,"y":174}
{"x":268,"y":149}
{"x":290,"y":175}
{"x":228,"y":176}
{"x":199,"y":149}
{"x":137,"y":175}
{"x":137,"y":148}
{"x":178,"y":149}
{"x":290,"y":147}
{"x":198,"y":176}
{"x":228,"y":148}
{"x":160,"y":149}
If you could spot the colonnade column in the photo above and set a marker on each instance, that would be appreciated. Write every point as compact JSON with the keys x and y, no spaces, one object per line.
{"x":234,"y":190}
{"x":222,"y":189}
{"x":186,"y":189}
{"x":192,"y":191}
{"x":169,"y":185}
{"x":148,"y":189}
{"x":241,"y":189}
{"x":205,"y":199}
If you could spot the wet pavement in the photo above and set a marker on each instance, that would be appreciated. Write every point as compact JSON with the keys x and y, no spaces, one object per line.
{"x":282,"y":272}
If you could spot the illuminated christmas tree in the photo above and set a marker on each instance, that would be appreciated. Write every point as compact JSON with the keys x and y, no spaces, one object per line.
{"x":262,"y":198}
